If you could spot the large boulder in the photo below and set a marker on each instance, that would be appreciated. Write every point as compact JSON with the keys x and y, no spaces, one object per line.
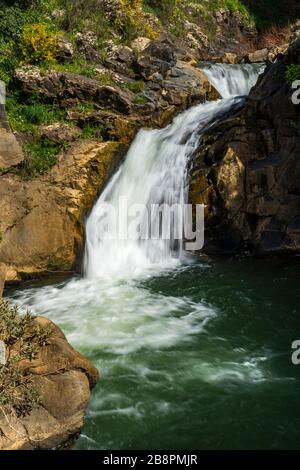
{"x":158,"y":57}
{"x":63,"y":379}
{"x":42,"y":220}
{"x":247,"y":172}
{"x":87,"y":45}
{"x":10,"y":151}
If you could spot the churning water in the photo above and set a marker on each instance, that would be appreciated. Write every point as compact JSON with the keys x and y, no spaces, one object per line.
{"x":191,"y":355}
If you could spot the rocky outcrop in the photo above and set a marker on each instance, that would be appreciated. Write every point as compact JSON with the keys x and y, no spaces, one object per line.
{"x":64,"y":86}
{"x":247,"y":172}
{"x":63,"y":379}
{"x":226,"y":32}
{"x":42,"y":220}
{"x":167,"y":88}
{"x":10,"y":151}
{"x":60,"y":132}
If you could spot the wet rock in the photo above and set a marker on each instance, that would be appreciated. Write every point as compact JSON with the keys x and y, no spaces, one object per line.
{"x":259,"y":56}
{"x":230,"y":58}
{"x":114,"y":127}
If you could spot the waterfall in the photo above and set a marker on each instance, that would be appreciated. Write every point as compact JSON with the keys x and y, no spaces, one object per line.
{"x":154,"y":173}
{"x":232,"y":80}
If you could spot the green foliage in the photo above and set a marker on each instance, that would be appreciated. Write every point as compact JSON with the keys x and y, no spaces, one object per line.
{"x":161,"y":9}
{"x":40,"y":158}
{"x":38,"y":44}
{"x":13,"y":21}
{"x":26,"y":116}
{"x":77,"y":12}
{"x":8,"y":61}
{"x":78,"y":66}
{"x":140,"y":99}
{"x":91,"y":132}
{"x":130,"y":20}
{"x":136,"y":86}
{"x":292,"y":73}
{"x":24,"y":339}
{"x":272,"y":12}
{"x":236,"y":5}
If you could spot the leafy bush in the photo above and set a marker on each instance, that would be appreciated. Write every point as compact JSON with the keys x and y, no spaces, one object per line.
{"x":130,"y":20}
{"x":38,"y":44}
{"x":292,"y":73}
{"x":25,"y":338}
{"x":161,"y":9}
{"x":13,"y":21}
{"x":77,"y":12}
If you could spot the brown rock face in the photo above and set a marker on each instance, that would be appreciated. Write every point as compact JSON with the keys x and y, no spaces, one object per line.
{"x":247,"y":172}
{"x":63,"y":379}
{"x":3,"y":270}
{"x":42,"y":220}
{"x":59,"y":132}
{"x":10,"y":151}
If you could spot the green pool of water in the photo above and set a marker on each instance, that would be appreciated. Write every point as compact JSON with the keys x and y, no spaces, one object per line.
{"x":198,"y":357}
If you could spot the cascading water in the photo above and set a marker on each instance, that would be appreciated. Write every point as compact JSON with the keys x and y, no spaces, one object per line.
{"x":232,"y":80}
{"x":155,"y":172}
{"x":189,"y":355}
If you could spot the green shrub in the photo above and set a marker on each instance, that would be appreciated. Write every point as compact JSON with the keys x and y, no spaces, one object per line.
{"x":162,"y":9}
{"x":130,"y":20}
{"x":136,"y":86}
{"x":38,"y":44}
{"x":25,"y":338}
{"x":292,"y":73}
{"x":40,"y":158}
{"x":140,"y":99}
{"x":78,"y":66}
{"x":25,"y":116}
{"x":91,"y":132}
{"x":13,"y":21}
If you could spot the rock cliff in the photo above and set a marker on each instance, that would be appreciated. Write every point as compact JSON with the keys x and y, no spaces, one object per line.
{"x":247,"y":171}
